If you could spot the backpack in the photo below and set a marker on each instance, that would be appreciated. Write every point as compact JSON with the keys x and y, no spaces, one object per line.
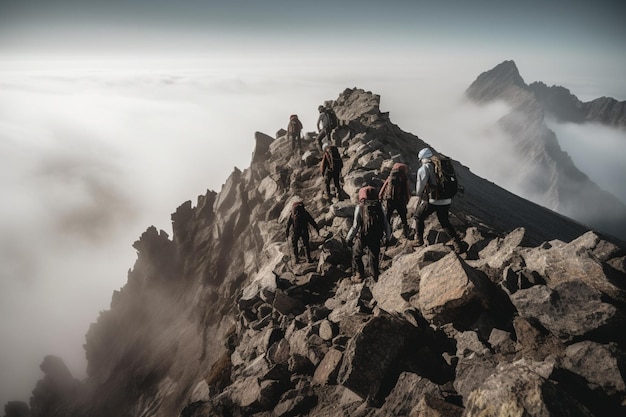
{"x":447,"y":181}
{"x":333,"y":122}
{"x":372,"y":220}
{"x":298,"y":216}
{"x":396,"y":187}
{"x":294,"y":126}
{"x":372,"y":217}
{"x":334,"y":158}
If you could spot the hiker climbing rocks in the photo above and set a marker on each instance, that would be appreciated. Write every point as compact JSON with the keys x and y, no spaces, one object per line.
{"x":370,"y":220}
{"x":330,"y":168}
{"x":294,"y":132}
{"x":395,"y":193}
{"x":300,"y":219}
{"x":326,"y":122}
{"x":429,"y":202}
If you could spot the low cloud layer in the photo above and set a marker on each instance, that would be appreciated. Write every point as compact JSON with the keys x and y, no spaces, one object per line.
{"x":90,"y":159}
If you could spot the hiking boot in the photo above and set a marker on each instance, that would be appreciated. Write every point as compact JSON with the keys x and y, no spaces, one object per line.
{"x":297,"y":261}
{"x":419,"y":242}
{"x":309,"y":259}
{"x":456,"y":244}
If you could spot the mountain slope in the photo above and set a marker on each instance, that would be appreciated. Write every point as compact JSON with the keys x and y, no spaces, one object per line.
{"x":543,"y":172}
{"x":217,"y":321}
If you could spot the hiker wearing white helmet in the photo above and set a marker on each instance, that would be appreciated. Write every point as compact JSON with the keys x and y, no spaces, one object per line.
{"x":426,"y":181}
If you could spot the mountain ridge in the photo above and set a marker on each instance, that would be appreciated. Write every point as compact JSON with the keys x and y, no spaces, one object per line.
{"x":217,"y":321}
{"x":542,"y":171}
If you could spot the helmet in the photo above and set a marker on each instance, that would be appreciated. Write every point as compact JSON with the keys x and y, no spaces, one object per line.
{"x":324,"y":146}
{"x":321,"y":109}
{"x":425,"y":153}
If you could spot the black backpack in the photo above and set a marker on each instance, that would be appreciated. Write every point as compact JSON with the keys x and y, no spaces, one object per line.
{"x":372,"y":220}
{"x":332,"y":119}
{"x":445,"y":176}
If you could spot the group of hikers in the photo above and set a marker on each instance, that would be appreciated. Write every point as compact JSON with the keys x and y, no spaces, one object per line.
{"x":372,"y":216}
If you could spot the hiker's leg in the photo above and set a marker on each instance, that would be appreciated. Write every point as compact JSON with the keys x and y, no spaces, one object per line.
{"x":307,"y":248}
{"x":420,"y":219}
{"x":294,"y":244}
{"x":402,"y":211}
{"x":374,"y":258}
{"x":357,"y":254}
{"x":336,"y":175}
{"x":327,"y":179}
{"x":444,"y":220}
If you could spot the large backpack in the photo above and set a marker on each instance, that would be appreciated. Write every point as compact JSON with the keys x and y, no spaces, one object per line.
{"x":396,"y":188}
{"x":334,"y":158}
{"x":333,"y":122}
{"x":372,"y":220}
{"x":445,"y":176}
{"x":372,"y":217}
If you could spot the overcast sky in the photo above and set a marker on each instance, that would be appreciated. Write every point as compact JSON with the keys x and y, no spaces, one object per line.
{"x":113,"y":113}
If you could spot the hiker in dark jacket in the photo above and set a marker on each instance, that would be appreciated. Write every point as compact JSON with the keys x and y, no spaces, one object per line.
{"x":330,"y":168}
{"x":395,"y":192}
{"x":426,"y":181}
{"x":368,"y":227}
{"x":294,"y":132}
{"x":324,"y":126}
{"x":300,"y":219}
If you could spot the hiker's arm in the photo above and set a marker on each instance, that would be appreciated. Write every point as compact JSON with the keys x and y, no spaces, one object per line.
{"x":313,"y":223}
{"x":356,"y":224}
{"x":382,"y":189}
{"x":421,"y":180}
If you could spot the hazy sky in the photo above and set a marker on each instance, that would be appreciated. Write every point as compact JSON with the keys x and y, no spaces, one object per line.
{"x":113,"y":113}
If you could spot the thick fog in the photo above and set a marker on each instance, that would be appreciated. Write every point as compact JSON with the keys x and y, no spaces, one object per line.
{"x":89,"y":158}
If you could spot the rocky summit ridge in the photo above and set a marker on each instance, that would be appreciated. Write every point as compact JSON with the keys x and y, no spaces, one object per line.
{"x":217,"y":321}
{"x":540,"y":170}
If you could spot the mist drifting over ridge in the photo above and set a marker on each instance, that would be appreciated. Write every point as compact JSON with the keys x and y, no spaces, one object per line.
{"x":119,"y":150}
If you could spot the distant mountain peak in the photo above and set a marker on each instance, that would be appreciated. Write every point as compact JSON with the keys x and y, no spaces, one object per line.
{"x":491,"y":84}
{"x":545,"y":173}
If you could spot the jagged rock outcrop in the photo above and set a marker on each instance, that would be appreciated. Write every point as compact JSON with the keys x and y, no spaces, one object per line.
{"x":541,"y":171}
{"x":217,"y":320}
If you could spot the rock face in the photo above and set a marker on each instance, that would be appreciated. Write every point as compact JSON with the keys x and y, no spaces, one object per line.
{"x":543,"y":172}
{"x":218,"y":321}
{"x":560,"y":103}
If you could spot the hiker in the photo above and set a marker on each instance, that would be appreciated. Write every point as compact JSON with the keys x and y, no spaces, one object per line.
{"x":300,"y":219}
{"x":330,"y":168}
{"x":370,"y":220}
{"x":428,"y":204}
{"x":326,"y":122}
{"x":395,"y":193}
{"x":294,"y":132}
